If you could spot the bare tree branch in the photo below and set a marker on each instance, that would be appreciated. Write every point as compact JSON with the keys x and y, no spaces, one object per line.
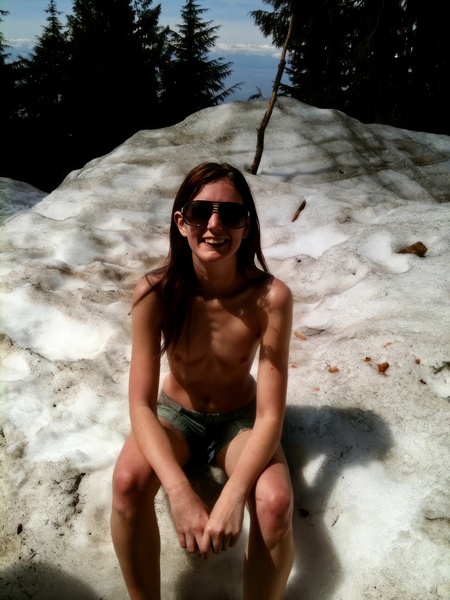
{"x":265,"y":121}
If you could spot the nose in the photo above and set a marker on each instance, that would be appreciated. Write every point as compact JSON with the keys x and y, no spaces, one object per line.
{"x":214,"y":220}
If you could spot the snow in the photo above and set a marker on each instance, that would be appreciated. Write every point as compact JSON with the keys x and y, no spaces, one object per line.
{"x":368,"y":450}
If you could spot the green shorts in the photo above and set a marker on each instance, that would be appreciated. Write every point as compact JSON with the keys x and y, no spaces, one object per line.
{"x":206,"y":433}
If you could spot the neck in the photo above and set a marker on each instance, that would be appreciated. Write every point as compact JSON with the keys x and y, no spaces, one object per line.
{"x":216,"y":281}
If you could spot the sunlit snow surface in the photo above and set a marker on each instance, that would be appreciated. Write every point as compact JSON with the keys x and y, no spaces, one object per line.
{"x":368,"y":451}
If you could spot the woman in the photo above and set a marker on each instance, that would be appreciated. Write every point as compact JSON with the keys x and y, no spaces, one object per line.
{"x":209,"y":309}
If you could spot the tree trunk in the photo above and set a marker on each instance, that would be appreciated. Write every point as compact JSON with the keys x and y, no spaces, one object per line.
{"x":265,"y":121}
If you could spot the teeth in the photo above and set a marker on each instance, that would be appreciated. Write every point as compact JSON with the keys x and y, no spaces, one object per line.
{"x":214,"y":240}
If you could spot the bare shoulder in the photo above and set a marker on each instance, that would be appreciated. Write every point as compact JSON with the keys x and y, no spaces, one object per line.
{"x":145,"y":286}
{"x":276,"y":323}
{"x":148,"y":305}
{"x":278,"y":296}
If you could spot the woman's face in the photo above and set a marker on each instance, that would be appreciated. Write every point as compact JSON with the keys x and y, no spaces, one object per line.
{"x":213,"y":241}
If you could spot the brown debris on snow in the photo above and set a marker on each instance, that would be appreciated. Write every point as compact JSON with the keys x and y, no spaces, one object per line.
{"x":418,"y":248}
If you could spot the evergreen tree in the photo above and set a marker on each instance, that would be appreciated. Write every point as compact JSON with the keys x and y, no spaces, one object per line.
{"x":276,"y":23}
{"x":154,"y":52}
{"x":42,"y":88}
{"x":427,"y":97}
{"x":46,"y":71}
{"x":116,"y":52}
{"x":318,"y":66}
{"x":34,"y":132}
{"x":103,"y":80}
{"x":6,"y":80}
{"x":378,"y":61}
{"x":83,"y":92}
{"x":322,"y":54}
{"x":9,"y":105}
{"x":191,"y":82}
{"x":379,"y":76}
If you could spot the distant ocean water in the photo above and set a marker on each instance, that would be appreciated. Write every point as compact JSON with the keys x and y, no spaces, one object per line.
{"x":253,"y":71}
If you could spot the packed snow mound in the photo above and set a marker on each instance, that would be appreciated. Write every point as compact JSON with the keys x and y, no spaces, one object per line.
{"x":367,"y":422}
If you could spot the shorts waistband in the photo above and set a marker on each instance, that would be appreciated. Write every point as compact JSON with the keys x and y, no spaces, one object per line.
{"x":165,"y":400}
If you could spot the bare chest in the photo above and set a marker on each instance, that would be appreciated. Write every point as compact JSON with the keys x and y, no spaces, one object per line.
{"x":218,"y":333}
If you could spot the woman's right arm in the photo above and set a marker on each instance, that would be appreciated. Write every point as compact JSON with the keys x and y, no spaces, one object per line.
{"x":150,"y":435}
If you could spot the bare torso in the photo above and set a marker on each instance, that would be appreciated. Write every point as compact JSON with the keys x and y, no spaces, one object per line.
{"x":210,"y":365}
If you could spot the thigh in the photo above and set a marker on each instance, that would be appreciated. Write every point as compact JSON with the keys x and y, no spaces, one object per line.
{"x":274,"y":477}
{"x":178,"y":441}
{"x":228,"y":456}
{"x":133,"y":469}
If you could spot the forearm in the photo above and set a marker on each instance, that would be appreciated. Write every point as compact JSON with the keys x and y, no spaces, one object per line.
{"x":155,"y":445}
{"x":258,"y":451}
{"x":189,"y":513}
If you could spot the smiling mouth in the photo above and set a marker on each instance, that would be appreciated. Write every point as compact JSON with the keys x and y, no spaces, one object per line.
{"x":214,"y":241}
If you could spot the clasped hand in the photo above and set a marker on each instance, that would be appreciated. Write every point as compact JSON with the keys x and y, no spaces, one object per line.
{"x":199,"y":530}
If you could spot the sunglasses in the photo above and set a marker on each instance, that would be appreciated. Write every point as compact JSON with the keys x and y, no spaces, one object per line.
{"x":198,"y":212}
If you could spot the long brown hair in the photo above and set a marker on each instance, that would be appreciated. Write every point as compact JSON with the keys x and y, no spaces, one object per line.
{"x":178,"y":284}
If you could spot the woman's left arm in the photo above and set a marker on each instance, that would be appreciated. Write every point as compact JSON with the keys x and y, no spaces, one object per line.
{"x":270,"y":408}
{"x":271,"y":389}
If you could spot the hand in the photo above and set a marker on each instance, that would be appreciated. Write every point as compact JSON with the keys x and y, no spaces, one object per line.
{"x":224,"y":525}
{"x":190,"y":515}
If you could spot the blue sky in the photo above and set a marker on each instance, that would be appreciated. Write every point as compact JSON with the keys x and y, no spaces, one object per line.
{"x":239,"y":40}
{"x":26,"y":17}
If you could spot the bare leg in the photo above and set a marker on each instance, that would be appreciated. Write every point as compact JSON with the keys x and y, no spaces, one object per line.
{"x":270,"y":550}
{"x":134,"y":526}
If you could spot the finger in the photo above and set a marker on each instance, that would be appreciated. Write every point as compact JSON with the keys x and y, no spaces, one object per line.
{"x":191,"y":544}
{"x":205,"y":555}
{"x":182,"y":540}
{"x":216,"y":544}
{"x":225,"y":543}
{"x":205,"y":544}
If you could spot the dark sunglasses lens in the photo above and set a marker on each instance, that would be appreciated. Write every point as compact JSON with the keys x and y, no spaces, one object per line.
{"x":197,"y":213}
{"x":232,"y":214}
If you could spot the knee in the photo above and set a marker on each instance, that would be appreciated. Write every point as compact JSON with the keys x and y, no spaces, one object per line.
{"x":130,"y":489}
{"x":274,"y":513}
